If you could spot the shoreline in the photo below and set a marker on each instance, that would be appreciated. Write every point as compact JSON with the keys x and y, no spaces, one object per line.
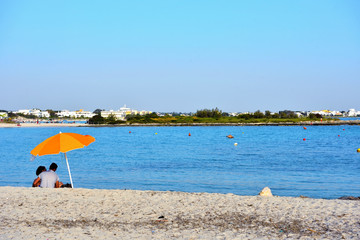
{"x":133,"y":214}
{"x":35,"y":125}
{"x":306,"y":123}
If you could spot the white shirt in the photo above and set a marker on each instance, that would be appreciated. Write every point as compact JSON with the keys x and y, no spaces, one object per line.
{"x":48,"y":179}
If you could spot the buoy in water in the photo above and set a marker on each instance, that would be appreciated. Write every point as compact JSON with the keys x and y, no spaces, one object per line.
{"x":155,"y":133}
{"x":129,"y":131}
{"x":304,"y":139}
{"x":305,"y":128}
{"x":235,"y":144}
{"x":343,"y":129}
{"x":229,"y":136}
{"x":338,"y":135}
{"x":189,"y":134}
{"x":358,"y":150}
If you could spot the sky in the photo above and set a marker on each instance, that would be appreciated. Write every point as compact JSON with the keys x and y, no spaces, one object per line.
{"x":180,"y":56}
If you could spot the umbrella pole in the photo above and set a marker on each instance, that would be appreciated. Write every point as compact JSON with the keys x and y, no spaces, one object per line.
{"x":67,"y":163}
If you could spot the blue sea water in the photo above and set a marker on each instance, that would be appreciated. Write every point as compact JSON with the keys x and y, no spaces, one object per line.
{"x":325,"y":165}
{"x":349,"y":118}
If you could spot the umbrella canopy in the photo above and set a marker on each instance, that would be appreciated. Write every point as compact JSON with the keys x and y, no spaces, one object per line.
{"x":62,"y":143}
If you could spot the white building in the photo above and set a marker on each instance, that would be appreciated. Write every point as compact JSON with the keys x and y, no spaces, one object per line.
{"x":299,"y":114}
{"x":65,"y":114}
{"x":75,"y":114}
{"x":123,"y":112}
{"x":353,"y":113}
{"x":328,"y":113}
{"x":40,"y":114}
{"x":117,"y":114}
{"x":36,"y":112}
{"x":23,"y":111}
{"x":85,"y":114}
{"x":233,"y":114}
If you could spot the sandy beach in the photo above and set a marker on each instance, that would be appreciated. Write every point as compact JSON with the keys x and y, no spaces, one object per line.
{"x":26,"y":125}
{"x":35,"y":213}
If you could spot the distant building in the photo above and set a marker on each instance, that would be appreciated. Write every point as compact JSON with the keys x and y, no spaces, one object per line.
{"x":84,"y":114}
{"x":36,"y":112}
{"x":24,"y":111}
{"x":65,"y":114}
{"x":75,"y":114}
{"x":117,"y":114}
{"x":61,"y":114}
{"x":242,"y":113}
{"x":328,"y":113}
{"x":123,"y":112}
{"x":352,"y":113}
{"x":299,"y":114}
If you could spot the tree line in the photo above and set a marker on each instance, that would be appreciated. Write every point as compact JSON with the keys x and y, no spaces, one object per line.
{"x":203,"y":115}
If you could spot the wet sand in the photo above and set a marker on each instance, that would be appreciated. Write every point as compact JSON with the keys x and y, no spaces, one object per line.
{"x":35,"y":213}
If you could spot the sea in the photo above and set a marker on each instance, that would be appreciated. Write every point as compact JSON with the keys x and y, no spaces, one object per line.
{"x":317,"y":162}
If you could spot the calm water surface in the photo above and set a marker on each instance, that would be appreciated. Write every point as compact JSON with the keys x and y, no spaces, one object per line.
{"x":325,"y":165}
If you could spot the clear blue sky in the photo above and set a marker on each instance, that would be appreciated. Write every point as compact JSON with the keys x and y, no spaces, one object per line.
{"x":180,"y":55}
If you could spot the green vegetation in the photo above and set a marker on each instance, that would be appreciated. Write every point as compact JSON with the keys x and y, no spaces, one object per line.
{"x":52,"y":113}
{"x":148,"y":118}
{"x":98,"y":119}
{"x":98,"y":111}
{"x":28,"y":116}
{"x":209,"y":116}
{"x":206,"y":113}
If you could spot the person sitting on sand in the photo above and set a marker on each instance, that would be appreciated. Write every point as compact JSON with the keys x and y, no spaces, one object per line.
{"x":50,"y":179}
{"x":37,"y":181}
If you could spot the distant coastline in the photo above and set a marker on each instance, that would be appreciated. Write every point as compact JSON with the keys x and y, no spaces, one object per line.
{"x":305,"y":123}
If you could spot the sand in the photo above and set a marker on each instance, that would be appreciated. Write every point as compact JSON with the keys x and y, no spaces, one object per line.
{"x":26,"y":125}
{"x":35,"y":213}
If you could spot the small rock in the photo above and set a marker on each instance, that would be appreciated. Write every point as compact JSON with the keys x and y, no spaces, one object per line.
{"x":349,"y":198}
{"x":266,"y":192}
{"x":302,"y":196}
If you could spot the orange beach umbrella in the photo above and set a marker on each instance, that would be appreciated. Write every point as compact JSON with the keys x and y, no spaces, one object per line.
{"x":62,"y":143}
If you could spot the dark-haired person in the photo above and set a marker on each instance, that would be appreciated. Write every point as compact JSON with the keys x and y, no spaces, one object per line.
{"x":50,"y":179}
{"x":39,"y":170}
